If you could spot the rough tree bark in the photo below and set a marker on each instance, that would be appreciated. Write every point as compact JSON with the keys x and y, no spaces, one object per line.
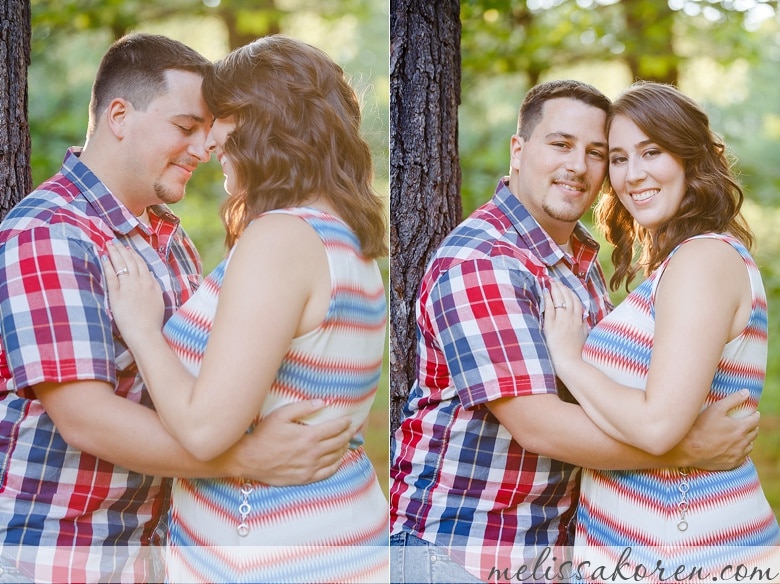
{"x":15,"y":172}
{"x":425,"y":200}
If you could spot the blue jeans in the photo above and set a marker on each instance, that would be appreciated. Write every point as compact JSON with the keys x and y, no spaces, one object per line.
{"x":10,"y":574}
{"x":415,"y":561}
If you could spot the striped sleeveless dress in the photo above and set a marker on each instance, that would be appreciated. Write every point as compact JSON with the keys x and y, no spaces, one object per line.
{"x":334,"y":530}
{"x":678,"y":516}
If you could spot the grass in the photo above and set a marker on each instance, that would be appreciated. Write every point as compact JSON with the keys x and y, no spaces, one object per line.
{"x":766,"y":452}
{"x":377,"y":444}
{"x":766,"y":456}
{"x":377,"y":438}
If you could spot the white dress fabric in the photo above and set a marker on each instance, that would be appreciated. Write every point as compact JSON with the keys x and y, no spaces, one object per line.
{"x":334,"y":530}
{"x":677,"y":516}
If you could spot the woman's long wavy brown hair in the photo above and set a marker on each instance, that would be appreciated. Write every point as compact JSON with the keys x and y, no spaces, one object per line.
{"x":297,"y":135}
{"x":713,"y":197}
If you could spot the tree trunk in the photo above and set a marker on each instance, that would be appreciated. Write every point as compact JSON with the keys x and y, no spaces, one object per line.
{"x":238,"y":38}
{"x":651,"y":27}
{"x":15,"y":172}
{"x":424,"y":168}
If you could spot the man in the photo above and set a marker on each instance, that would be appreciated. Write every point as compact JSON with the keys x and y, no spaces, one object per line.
{"x":81,"y":450}
{"x":484,"y":463}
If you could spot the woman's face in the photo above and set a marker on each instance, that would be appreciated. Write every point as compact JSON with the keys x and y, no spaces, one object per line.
{"x":215,"y":142}
{"x":648,"y":180}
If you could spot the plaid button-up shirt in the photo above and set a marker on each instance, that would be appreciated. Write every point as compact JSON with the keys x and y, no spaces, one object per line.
{"x":459,"y":479}
{"x":58,"y":505}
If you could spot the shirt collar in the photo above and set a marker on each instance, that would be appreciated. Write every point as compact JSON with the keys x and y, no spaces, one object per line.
{"x":537,"y":240}
{"x":106,"y":205}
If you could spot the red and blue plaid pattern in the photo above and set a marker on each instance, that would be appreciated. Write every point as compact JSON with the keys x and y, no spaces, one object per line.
{"x":459,"y":480}
{"x":58,"y":504}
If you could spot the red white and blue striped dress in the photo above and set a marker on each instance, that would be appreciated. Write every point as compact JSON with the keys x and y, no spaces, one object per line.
{"x":685,"y":516}
{"x":334,"y":530}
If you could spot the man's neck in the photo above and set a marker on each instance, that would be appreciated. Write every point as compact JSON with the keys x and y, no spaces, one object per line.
{"x":101,"y":163}
{"x":144,"y":217}
{"x":566,"y":247}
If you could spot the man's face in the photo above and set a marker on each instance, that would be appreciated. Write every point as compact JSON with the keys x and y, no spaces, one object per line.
{"x":558,"y":172}
{"x":167,"y":141}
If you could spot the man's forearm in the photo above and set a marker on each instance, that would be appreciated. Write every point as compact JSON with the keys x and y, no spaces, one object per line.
{"x":93,"y":419}
{"x":280,"y":450}
{"x":548,"y":426}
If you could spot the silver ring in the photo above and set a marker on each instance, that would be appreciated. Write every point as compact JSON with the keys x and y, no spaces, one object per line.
{"x":556,"y":307}
{"x":122,"y":272}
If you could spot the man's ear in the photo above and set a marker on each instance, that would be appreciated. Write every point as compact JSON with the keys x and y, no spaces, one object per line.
{"x":516,"y":144}
{"x":116,"y":116}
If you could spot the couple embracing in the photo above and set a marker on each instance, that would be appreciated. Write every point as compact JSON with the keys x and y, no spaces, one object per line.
{"x":544,"y":422}
{"x":264,"y":372}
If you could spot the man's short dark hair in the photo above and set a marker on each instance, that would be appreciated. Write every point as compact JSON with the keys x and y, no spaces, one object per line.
{"x":134,"y":67}
{"x":532,"y":107}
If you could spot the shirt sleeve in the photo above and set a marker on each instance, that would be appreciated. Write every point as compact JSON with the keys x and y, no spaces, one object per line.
{"x":487,"y":316}
{"x":54,"y":317}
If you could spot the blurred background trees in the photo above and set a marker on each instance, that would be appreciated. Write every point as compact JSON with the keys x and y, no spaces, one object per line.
{"x":723,"y":53}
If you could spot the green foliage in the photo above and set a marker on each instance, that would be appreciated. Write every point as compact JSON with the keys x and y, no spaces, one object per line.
{"x":751,"y":128}
{"x":651,"y":38}
{"x":509,"y":46}
{"x":66,"y":18}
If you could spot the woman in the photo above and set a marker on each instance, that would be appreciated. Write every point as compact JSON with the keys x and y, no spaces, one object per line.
{"x":296,"y":311}
{"x":694,"y":331}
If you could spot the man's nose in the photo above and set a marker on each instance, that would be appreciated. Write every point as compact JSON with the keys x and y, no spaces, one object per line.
{"x":576,"y":162}
{"x":200,"y":149}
